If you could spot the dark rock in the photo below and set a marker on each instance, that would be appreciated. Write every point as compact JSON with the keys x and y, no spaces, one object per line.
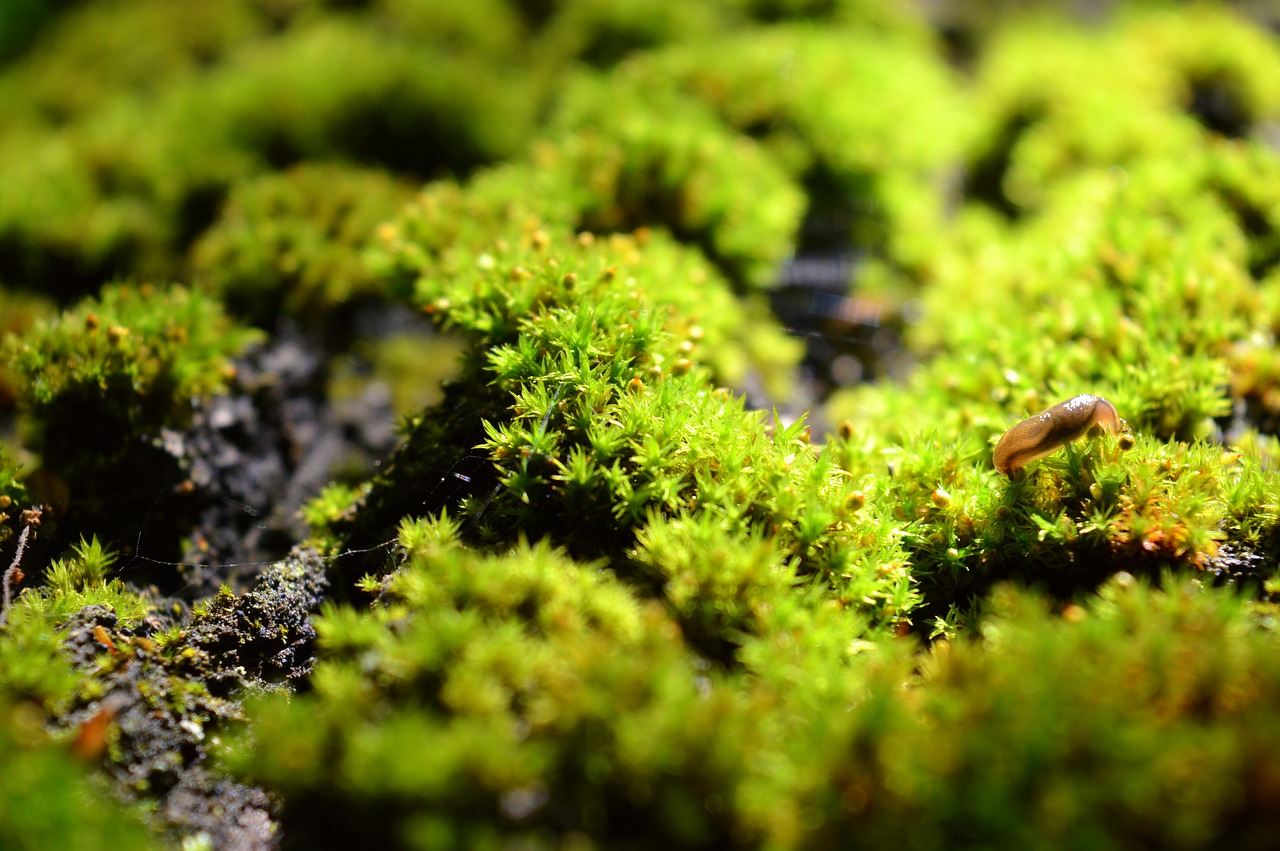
{"x":233,"y":817}
{"x":255,"y":454}
{"x":160,"y":701}
{"x":262,"y":638}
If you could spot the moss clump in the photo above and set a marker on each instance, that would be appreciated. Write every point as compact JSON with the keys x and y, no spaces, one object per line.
{"x":545,"y":697}
{"x":1154,"y":691}
{"x":291,"y":243}
{"x":83,"y":579}
{"x":542,"y":695}
{"x":874,"y":167}
{"x":103,"y":200}
{"x":599,"y":419}
{"x":94,"y":55}
{"x":1149,"y":88}
{"x":130,"y":359}
{"x":673,"y":168}
{"x":102,"y":382}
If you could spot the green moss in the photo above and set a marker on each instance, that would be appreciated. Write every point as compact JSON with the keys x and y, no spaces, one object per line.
{"x":291,"y":243}
{"x":466,"y":657}
{"x":538,"y":692}
{"x":35,"y":668}
{"x":94,"y":55}
{"x":99,"y":384}
{"x":1152,"y":692}
{"x":673,"y":168}
{"x":352,"y":91}
{"x":81,"y":580}
{"x":131,"y":358}
{"x":1139,"y":285}
{"x":49,"y":798}
{"x":600,"y":420}
{"x":876,"y":161}
{"x":1173,"y":707}
{"x":105,"y":198}
{"x":488,"y":287}
{"x":13,"y":499}
{"x":1078,"y":517}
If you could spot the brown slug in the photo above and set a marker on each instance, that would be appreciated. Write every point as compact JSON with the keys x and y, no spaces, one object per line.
{"x":1048,"y":431}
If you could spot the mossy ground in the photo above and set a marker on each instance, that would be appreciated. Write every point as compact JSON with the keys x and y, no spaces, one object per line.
{"x":643,"y":564}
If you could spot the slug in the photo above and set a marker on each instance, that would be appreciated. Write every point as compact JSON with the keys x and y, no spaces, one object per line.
{"x":1048,"y":431}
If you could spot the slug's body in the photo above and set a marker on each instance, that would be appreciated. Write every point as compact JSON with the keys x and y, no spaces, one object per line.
{"x":1048,"y":431}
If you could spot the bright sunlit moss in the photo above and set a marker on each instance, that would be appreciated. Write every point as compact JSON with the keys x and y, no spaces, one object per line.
{"x":612,"y":588}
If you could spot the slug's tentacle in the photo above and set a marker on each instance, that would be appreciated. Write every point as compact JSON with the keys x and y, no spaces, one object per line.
{"x":1048,"y":431}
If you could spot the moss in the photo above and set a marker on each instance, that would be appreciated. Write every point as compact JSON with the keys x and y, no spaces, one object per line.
{"x":352,"y":92}
{"x":874,"y":165}
{"x":18,"y":312}
{"x":104,"y":200}
{"x":50,"y":798}
{"x":130,"y":359}
{"x":1163,"y":75}
{"x":102,"y":382}
{"x":35,"y":669}
{"x":433,"y":254}
{"x":454,"y":658}
{"x":82,"y":579}
{"x":1113,"y":752}
{"x":588,"y":433}
{"x":292,"y":243}
{"x":543,"y":694}
{"x":612,"y":589}
{"x":92,"y":56}
{"x":13,"y":499}
{"x":668,"y":168}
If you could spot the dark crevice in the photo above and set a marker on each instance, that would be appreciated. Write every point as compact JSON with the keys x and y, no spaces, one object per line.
{"x":1264,"y":241}
{"x":1216,"y":103}
{"x":985,"y":181}
{"x":848,"y":339}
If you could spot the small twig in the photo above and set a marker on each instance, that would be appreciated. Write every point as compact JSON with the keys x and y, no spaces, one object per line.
{"x":30,"y":520}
